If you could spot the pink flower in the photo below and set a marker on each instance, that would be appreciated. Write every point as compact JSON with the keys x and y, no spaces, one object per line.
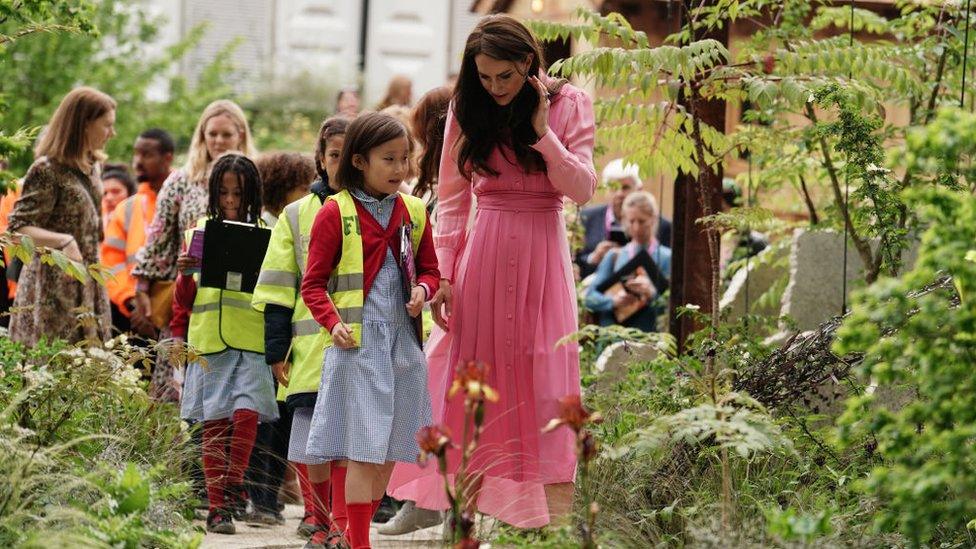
{"x":572,"y":414}
{"x":434,"y":440}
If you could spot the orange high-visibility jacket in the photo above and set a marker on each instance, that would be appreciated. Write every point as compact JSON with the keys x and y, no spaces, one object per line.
{"x":124,"y":235}
{"x":7,"y":206}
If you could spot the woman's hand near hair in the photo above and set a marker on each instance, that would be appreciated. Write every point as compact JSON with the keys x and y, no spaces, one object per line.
{"x":443,"y":298}
{"x":540,"y":118}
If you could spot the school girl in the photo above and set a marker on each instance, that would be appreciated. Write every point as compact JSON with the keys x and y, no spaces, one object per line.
{"x":373,"y":395}
{"x":295,"y":343}
{"x":233,"y":390}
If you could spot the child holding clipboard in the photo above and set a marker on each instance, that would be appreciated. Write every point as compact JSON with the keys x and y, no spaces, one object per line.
{"x":234,"y":388}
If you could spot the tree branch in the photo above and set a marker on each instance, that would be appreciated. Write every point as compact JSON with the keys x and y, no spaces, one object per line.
{"x":814,"y":218}
{"x":862,"y":247}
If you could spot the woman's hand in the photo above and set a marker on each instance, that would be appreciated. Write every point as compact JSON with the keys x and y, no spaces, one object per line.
{"x":71,"y":251}
{"x":642,"y":286}
{"x":417,"y":297}
{"x":341,"y":336}
{"x":623,"y":299}
{"x":443,"y":298}
{"x":185,"y":262}
{"x":540,"y":118}
{"x":143,"y":305}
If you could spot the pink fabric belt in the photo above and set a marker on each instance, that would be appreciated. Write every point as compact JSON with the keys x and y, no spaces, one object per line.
{"x":520,"y":201}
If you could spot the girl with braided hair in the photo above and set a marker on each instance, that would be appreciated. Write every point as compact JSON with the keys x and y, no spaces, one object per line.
{"x":231,"y":388}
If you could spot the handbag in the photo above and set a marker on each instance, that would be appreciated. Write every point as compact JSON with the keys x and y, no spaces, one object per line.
{"x":161,"y":298}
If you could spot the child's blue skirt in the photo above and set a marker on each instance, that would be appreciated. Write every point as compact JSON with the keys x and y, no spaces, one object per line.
{"x":231,"y":380}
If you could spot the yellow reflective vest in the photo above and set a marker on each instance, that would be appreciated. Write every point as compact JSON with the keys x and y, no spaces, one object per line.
{"x":346,"y":284}
{"x":280,"y":282}
{"x":281,"y":278}
{"x":222,"y":319}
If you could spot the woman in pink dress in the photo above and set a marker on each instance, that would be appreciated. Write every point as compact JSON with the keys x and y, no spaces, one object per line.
{"x":519,"y":142}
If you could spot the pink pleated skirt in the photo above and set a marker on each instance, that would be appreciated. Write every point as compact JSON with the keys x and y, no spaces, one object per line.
{"x":514,"y":299}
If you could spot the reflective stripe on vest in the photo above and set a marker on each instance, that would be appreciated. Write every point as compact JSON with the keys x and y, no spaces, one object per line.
{"x":346,"y":284}
{"x":129,"y":206}
{"x":292,"y":213}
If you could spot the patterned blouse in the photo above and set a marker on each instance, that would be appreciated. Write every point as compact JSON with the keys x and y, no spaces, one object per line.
{"x":180,"y":205}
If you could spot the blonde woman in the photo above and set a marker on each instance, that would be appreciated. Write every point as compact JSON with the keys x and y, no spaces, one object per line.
{"x":60,"y":208}
{"x":182,"y":201}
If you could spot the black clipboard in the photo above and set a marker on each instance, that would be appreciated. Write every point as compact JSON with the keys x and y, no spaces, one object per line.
{"x":640,"y":259}
{"x":232,"y":255}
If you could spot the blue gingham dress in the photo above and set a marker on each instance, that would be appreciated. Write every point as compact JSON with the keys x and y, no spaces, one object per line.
{"x":373,"y":399}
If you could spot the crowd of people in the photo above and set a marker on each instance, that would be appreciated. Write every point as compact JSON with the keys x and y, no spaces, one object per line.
{"x":320,"y":369}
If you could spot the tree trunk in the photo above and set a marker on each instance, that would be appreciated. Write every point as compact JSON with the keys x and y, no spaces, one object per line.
{"x":691,"y":260}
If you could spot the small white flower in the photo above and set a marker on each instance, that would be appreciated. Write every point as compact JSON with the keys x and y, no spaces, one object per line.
{"x":691,"y":307}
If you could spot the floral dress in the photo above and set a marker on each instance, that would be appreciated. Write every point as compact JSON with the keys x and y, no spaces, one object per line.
{"x":181,"y":203}
{"x":50,"y":303}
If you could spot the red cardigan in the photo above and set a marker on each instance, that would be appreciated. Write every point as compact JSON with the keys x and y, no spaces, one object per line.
{"x":325,"y":248}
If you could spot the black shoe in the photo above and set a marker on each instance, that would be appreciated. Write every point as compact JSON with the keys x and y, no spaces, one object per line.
{"x":219,"y":521}
{"x":238,"y":502}
{"x":265,"y":517}
{"x":387,"y":509}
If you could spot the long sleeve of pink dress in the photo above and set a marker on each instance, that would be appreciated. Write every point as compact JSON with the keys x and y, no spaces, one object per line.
{"x":514,"y":298}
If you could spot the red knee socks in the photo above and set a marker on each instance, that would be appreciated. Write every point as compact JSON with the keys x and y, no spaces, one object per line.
{"x":241,"y":443}
{"x":308,"y":496}
{"x":359,"y":517}
{"x":338,"y":477}
{"x":215,"y":460}
{"x":322,"y":496}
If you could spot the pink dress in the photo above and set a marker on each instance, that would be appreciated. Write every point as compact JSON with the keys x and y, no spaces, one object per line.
{"x":514,"y":298}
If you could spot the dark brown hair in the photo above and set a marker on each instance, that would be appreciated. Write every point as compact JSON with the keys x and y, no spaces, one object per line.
{"x":330,"y":128}
{"x":428,"y":124}
{"x":119,"y":172}
{"x":365,"y":133}
{"x":485,"y":124}
{"x":281,"y":172}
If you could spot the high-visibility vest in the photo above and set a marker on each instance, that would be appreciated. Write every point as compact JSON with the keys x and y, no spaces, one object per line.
{"x":346,"y":284}
{"x":223,"y":319}
{"x":124,"y":235}
{"x":7,"y":203}
{"x":279,"y":283}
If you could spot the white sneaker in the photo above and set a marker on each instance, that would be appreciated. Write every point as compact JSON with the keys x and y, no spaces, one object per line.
{"x":410,"y":518}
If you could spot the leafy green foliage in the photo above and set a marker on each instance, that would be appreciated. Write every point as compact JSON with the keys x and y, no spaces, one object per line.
{"x":86,"y":459}
{"x":923,"y":342}
{"x":48,"y":66}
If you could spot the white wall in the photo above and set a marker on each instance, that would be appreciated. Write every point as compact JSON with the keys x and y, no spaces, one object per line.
{"x":249,"y":20}
{"x":320,"y":36}
{"x":406,"y":37}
